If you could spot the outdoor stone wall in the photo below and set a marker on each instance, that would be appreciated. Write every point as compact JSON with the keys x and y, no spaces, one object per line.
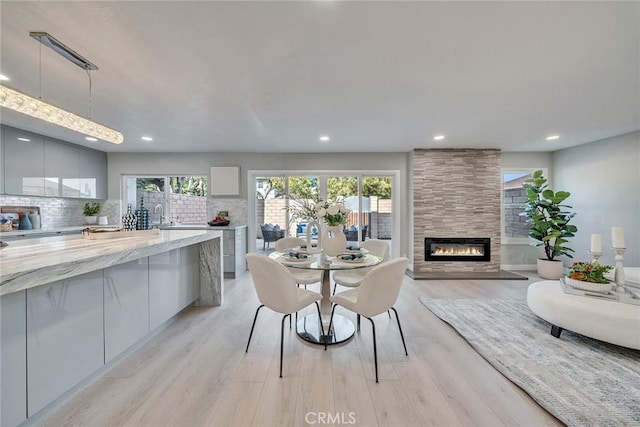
{"x":515,"y":224}
{"x":456,"y":193}
{"x":274,"y":213}
{"x":183,"y":207}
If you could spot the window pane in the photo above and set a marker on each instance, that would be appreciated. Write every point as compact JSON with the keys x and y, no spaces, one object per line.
{"x":514,"y":196}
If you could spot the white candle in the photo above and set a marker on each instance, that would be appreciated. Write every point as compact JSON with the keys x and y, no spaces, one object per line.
{"x":596,"y":243}
{"x":617,"y":237}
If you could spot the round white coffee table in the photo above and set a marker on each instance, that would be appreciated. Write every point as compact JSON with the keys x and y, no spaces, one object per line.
{"x":610,"y":321}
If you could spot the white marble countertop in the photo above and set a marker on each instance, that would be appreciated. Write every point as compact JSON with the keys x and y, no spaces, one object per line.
{"x":33,"y":262}
{"x":202,"y":226}
{"x":43,"y":231}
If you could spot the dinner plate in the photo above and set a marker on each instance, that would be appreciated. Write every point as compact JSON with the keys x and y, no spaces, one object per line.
{"x":352,"y":261}
{"x":297,"y":260}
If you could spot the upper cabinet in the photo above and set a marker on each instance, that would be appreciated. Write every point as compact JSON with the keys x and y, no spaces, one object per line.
{"x":61,"y":169}
{"x":23,"y":163}
{"x":93,"y":174}
{"x":36,"y":166}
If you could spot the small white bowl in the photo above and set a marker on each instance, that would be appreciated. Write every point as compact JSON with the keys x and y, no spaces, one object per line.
{"x":588,"y":286}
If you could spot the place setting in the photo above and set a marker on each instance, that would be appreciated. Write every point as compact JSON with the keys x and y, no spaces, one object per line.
{"x":297,"y":257}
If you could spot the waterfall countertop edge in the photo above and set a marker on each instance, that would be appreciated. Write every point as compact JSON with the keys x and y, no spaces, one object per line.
{"x":29,"y":263}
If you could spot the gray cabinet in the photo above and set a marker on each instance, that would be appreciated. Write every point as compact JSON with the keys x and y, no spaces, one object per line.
{"x":234,"y":247}
{"x":164,"y":287}
{"x":23,"y":163}
{"x":1,"y":161}
{"x":189,"y":275}
{"x":64,"y":336}
{"x":32,"y":165}
{"x":93,"y":174}
{"x":126,"y":306}
{"x":13,"y":364}
{"x":61,"y":169}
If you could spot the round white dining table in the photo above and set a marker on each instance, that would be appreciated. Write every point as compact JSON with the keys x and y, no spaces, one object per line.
{"x":310,"y":327}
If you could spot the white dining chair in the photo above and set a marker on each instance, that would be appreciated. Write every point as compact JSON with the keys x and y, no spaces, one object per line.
{"x":352,"y":278}
{"x":377,"y":293}
{"x":277,"y":290}
{"x":302,"y":277}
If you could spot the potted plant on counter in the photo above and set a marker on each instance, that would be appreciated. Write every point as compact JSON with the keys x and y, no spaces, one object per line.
{"x":549,"y":221}
{"x":91,"y":211}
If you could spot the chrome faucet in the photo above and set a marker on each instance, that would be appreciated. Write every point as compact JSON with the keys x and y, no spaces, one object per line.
{"x":155,"y":210}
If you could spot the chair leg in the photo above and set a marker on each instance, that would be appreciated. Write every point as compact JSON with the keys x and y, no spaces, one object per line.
{"x":389,"y":313}
{"x":282,"y":340}
{"x":252,"y":326}
{"x":358,"y":322}
{"x":334,"y":288}
{"x":319,"y":318}
{"x":401,"y":334}
{"x":326,"y":336}
{"x":290,"y":320}
{"x":375,"y":348}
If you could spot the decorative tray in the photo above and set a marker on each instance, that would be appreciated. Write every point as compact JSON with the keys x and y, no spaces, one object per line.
{"x":218,"y":223}
{"x":99,"y":233}
{"x":631,"y":295}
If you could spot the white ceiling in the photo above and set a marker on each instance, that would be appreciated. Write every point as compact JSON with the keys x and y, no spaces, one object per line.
{"x":375,"y":76}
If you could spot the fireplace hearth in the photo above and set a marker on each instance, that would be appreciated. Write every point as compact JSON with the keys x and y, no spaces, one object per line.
{"x":457,"y":249}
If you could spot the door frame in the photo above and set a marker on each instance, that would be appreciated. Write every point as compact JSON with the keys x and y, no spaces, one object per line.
{"x":396,"y":197}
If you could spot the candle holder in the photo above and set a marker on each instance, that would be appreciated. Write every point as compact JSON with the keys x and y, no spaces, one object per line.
{"x":618,"y":273}
{"x":595,"y":257}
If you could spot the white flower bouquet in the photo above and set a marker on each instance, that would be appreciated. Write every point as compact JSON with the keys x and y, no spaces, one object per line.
{"x":332,"y":213}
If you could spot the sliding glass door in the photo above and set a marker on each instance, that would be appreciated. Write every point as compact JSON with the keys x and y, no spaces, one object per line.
{"x":283,"y":199}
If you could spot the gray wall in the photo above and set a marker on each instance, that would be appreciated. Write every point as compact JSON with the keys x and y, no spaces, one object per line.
{"x":604,"y":180}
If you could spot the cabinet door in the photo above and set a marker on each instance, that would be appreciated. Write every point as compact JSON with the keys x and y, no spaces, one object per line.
{"x":13,"y":364}
{"x":164,"y":287}
{"x":241,"y":250}
{"x":189,"y":275}
{"x":126,"y":306}
{"x":23,"y":163}
{"x":61,"y":166}
{"x":93,"y":174}
{"x":1,"y":161}
{"x":65,"y":341}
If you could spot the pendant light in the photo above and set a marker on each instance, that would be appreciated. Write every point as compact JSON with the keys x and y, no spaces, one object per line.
{"x":23,"y":103}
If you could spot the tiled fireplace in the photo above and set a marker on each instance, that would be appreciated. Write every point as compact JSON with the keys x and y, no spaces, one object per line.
{"x":456,"y":196}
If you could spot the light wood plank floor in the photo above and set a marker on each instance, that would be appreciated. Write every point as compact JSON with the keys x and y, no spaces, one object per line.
{"x":196,"y":373}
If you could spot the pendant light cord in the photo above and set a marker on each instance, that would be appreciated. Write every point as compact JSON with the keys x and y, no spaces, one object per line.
{"x":40,"y":66}
{"x":89,"y":75}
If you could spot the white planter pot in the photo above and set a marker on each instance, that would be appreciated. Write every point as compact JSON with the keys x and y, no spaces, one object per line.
{"x":552,"y":270}
{"x":334,"y":242}
{"x":91,"y":220}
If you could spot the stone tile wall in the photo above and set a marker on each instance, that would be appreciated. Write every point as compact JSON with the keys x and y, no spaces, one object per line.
{"x":456,"y":193}
{"x":58,"y":212}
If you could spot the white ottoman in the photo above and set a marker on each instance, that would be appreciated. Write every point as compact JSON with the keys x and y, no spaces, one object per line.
{"x":605,"y":320}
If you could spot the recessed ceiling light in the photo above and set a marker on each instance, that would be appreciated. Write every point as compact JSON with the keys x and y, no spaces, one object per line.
{"x":3,"y":78}
{"x":438,"y":137}
{"x":147,"y":138}
{"x":552,"y":137}
{"x":24,"y":139}
{"x":90,"y":138}
{"x":324,"y":138}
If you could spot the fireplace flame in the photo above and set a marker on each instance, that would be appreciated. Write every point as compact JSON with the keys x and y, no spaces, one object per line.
{"x":457,"y":251}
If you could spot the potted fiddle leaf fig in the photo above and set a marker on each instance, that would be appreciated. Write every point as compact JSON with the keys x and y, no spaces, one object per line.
{"x":549,"y":219}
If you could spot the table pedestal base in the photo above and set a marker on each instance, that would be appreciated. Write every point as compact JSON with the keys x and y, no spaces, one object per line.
{"x":308,"y":328}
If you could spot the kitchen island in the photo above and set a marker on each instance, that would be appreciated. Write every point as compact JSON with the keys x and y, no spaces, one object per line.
{"x":70,"y":306}
{"x":235,"y":244}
